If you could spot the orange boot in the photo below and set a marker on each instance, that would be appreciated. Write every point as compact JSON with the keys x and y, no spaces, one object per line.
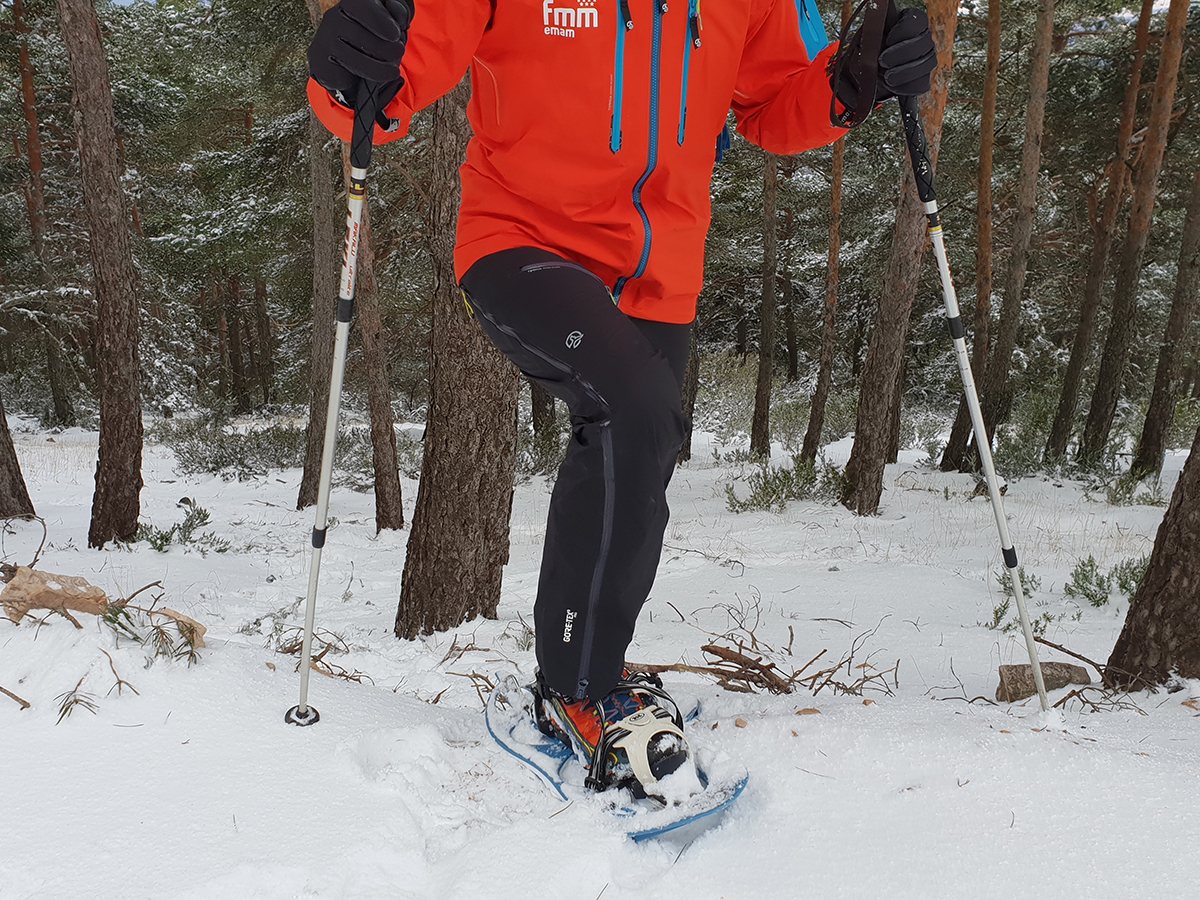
{"x":632,"y":738}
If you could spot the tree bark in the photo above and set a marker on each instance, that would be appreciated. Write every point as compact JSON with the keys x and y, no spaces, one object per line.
{"x":542,"y":402}
{"x":885,"y":353}
{"x":325,"y":293}
{"x":14,"y":497}
{"x":58,"y":374}
{"x":1122,"y":329}
{"x":237,"y":361}
{"x":35,"y":192}
{"x":460,"y":530}
{"x":893,"y":433}
{"x":1117,"y":174}
{"x":116,"y":503}
{"x":816,"y":415}
{"x":389,"y":509}
{"x":691,"y":387}
{"x":760,"y":428}
{"x":1161,"y":635}
{"x":1167,"y":387}
{"x":960,"y":432}
{"x":789,"y":328}
{"x":266,"y":344}
{"x":995,"y":400}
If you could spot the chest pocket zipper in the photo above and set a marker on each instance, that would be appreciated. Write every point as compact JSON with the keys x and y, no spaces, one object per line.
{"x":624,"y":24}
{"x":692,"y":37}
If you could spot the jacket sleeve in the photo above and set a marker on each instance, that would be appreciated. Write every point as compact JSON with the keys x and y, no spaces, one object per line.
{"x":441,"y":42}
{"x":781,"y":99}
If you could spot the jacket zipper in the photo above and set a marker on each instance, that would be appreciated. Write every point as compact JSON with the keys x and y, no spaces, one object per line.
{"x":624,"y":24}
{"x":660,"y":10}
{"x":691,"y":39}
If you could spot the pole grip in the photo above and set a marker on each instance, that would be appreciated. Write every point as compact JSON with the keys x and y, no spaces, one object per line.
{"x":363,"y":137}
{"x":918,"y":148}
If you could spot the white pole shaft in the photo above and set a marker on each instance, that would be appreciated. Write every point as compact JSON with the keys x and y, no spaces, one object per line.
{"x":981,"y":441}
{"x":345,"y":312}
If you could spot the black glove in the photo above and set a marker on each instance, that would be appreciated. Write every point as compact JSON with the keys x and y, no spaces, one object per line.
{"x":906,"y":60}
{"x":361,"y":40}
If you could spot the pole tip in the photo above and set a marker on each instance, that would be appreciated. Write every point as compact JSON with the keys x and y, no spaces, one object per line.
{"x":309,"y":717}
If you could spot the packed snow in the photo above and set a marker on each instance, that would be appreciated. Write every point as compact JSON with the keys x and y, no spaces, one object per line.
{"x":194,"y":787}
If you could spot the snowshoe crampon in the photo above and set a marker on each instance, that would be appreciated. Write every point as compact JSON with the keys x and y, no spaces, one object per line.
{"x":678,"y":801}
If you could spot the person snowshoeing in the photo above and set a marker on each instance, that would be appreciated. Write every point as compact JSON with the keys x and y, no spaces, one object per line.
{"x":580,"y":249}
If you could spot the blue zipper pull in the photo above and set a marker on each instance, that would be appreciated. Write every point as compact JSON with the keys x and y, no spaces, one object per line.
{"x":624,"y":24}
{"x":692,"y":39}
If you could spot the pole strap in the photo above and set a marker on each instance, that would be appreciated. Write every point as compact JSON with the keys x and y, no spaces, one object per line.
{"x":862,"y":55}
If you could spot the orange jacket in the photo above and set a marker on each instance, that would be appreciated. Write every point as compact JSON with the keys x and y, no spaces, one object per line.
{"x":596,"y":141}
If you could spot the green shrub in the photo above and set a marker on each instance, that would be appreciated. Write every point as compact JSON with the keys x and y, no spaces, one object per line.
{"x":1031,"y":583}
{"x":185,"y":533}
{"x":789,"y":421}
{"x":1128,"y":574}
{"x":771,"y":487}
{"x":1021,"y":439}
{"x":211,"y":446}
{"x":1087,"y":583}
{"x":1122,"y":490}
{"x":1185,"y":424}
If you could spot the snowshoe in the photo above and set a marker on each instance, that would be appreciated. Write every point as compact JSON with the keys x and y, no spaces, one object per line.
{"x":632,"y":738}
{"x":679,"y":803}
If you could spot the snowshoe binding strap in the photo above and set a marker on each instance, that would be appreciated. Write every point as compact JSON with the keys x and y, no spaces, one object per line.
{"x":651,"y":752}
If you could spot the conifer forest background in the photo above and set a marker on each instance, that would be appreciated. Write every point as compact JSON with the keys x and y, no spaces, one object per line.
{"x":235,"y":206}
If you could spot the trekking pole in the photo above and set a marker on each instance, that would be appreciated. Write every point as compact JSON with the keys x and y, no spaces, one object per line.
{"x":360,"y":158}
{"x":923,"y":171}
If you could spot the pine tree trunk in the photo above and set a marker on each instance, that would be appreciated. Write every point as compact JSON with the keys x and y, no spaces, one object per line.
{"x":1122,"y":329}
{"x":58,"y":374}
{"x":994,"y":389}
{"x":35,"y":192}
{"x":237,"y":361}
{"x":389,"y":509}
{"x":789,"y":293}
{"x":266,"y":345}
{"x":691,"y":387}
{"x":893,"y":436}
{"x":1167,"y":386}
{"x":14,"y":497}
{"x":223,"y":366}
{"x":960,"y":432}
{"x":325,"y":292}
{"x":885,"y":353}
{"x":542,"y":403}
{"x":1161,"y":636}
{"x":816,"y":416}
{"x":115,"y":504}
{"x":760,"y":428}
{"x":460,"y":529}
{"x":1089,"y":311}
{"x":789,"y":328}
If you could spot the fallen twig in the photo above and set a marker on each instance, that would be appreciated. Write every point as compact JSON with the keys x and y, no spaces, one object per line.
{"x":7,"y":570}
{"x":25,"y":704}
{"x":1081,"y":658}
{"x":1106,"y":701}
{"x":121,"y":682}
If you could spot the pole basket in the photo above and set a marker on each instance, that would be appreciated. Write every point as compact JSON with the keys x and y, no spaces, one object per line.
{"x":309,"y":717}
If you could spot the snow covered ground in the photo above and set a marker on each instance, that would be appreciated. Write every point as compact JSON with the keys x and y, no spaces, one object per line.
{"x":195,"y":788}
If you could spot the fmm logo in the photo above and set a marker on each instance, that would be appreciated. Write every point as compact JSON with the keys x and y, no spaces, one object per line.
{"x":563,"y":20}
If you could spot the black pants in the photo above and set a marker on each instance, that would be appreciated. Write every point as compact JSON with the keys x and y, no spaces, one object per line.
{"x":621,"y":379}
